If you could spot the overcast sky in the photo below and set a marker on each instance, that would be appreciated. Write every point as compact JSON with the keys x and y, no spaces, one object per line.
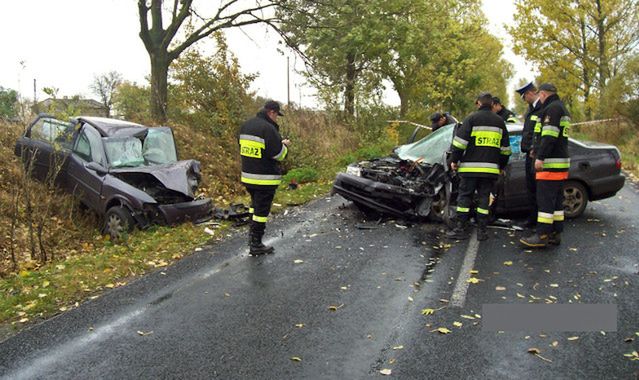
{"x":64,"y":43}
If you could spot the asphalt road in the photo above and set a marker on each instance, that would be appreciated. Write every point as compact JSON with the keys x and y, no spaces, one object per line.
{"x":352,"y":306}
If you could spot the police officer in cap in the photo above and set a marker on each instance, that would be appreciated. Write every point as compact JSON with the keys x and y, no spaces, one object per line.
{"x":552,"y":163}
{"x":439,"y":119}
{"x":528,"y":93}
{"x":261,"y":148}
{"x":503,"y":112}
{"x":480,"y":151}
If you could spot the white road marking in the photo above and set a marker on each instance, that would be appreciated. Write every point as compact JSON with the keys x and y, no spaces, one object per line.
{"x":461,"y":287}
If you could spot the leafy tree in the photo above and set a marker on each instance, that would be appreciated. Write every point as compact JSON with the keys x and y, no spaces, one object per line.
{"x":8,"y":100}
{"x":436,"y":54}
{"x":579,"y":44}
{"x":187,"y":26}
{"x":338,"y":39}
{"x":132,"y":102}
{"x":210,"y":92}
{"x":104,"y":86}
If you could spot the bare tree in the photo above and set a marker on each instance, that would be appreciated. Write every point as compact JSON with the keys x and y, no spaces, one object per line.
{"x":160,"y":41}
{"x":104,"y":86}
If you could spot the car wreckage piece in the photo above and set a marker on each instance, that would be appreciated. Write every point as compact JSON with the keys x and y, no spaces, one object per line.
{"x":126,"y":172}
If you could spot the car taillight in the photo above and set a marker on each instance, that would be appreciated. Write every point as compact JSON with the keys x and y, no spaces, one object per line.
{"x":618,"y":164}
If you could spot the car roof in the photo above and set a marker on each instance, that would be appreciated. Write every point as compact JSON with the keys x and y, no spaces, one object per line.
{"x":113,"y":127}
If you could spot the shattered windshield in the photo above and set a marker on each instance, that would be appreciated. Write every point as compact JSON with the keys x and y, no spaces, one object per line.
{"x":158,"y":147}
{"x":431,"y":148}
{"x":124,"y":151}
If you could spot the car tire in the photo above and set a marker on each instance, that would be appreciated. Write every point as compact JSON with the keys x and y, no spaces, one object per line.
{"x":441,"y":209}
{"x":118,"y":222}
{"x":575,"y":199}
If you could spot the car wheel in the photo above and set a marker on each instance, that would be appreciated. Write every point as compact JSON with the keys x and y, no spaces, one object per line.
{"x":118,"y":222}
{"x":441,"y":209}
{"x":575,"y":199}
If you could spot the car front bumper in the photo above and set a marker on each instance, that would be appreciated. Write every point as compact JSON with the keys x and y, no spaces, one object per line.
{"x":378,"y":196}
{"x":196,"y":211}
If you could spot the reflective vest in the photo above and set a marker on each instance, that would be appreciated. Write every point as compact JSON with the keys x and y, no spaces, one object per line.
{"x":530,"y":121}
{"x":481,"y":145}
{"x":261,"y":150}
{"x":553,"y":129}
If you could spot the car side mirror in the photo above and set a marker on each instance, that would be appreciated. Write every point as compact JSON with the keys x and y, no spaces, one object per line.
{"x":99,"y":169}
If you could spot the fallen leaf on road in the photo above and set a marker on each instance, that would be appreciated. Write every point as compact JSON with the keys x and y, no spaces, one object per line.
{"x":536,"y":352}
{"x":386,"y":371}
{"x":508,"y":263}
{"x":573,"y":338}
{"x":298,"y":261}
{"x":474,"y":271}
{"x":554,"y":344}
{"x":634,"y":355}
{"x":398,"y":347}
{"x":457,"y":324}
{"x":24,"y":320}
{"x":343,"y":287}
{"x":299,"y":325}
{"x":554,"y":285}
{"x":334,"y":308}
{"x":428,"y":311}
{"x":473,"y":280}
{"x":142,"y":333}
{"x":572,"y":249}
{"x":477,"y":316}
{"x":467,"y":316}
{"x":500,"y":288}
{"x":442,"y":330}
{"x":209,"y":231}
{"x":410,"y":299}
{"x":629,"y":340}
{"x":110,"y":286}
{"x":296,"y":358}
{"x":520,"y":295}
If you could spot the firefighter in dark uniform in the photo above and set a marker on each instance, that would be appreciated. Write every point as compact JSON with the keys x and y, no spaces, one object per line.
{"x":439,"y":119}
{"x":503,"y":112}
{"x":480,"y":150}
{"x":261,"y":149}
{"x":552,"y":163}
{"x":528,"y":93}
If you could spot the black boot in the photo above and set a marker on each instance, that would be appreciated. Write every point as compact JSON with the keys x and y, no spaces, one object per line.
{"x":256,"y":247}
{"x":459,"y":232}
{"x":535,"y":241}
{"x":554,"y":238}
{"x":482,"y":232}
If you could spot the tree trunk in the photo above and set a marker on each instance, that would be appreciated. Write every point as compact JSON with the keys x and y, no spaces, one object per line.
{"x":349,"y":87}
{"x":159,"y":73}
{"x":585,"y":70}
{"x":602,"y":60}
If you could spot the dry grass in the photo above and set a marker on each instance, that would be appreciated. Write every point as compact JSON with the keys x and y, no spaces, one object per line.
{"x":622,"y":134}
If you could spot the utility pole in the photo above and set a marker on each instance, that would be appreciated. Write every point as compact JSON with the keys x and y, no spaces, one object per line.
{"x":288,"y":82}
{"x":35,"y":101}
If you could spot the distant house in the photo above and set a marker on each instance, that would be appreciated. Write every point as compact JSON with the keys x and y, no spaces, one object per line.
{"x":75,"y":105}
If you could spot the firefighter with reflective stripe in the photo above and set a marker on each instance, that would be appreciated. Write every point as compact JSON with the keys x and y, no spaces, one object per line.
{"x":503,"y":112}
{"x":528,"y":93}
{"x":480,"y":150}
{"x":552,"y":164}
{"x":261,"y":149}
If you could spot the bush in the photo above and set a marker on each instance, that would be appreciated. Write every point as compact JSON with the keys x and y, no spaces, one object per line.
{"x":302,"y":175}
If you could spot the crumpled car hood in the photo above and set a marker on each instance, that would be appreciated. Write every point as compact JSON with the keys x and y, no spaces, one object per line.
{"x":173,"y":176}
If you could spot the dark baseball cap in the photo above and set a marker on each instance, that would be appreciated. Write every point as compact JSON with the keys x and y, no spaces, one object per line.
{"x":273,"y":106}
{"x":436,"y":116}
{"x":548,"y":87}
{"x":496,"y":100}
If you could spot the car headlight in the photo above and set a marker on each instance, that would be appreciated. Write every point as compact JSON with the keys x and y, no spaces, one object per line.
{"x":354,"y":170}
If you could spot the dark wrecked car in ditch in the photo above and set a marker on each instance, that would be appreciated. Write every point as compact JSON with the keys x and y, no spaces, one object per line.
{"x":126,"y":172}
{"x":415,"y":181}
